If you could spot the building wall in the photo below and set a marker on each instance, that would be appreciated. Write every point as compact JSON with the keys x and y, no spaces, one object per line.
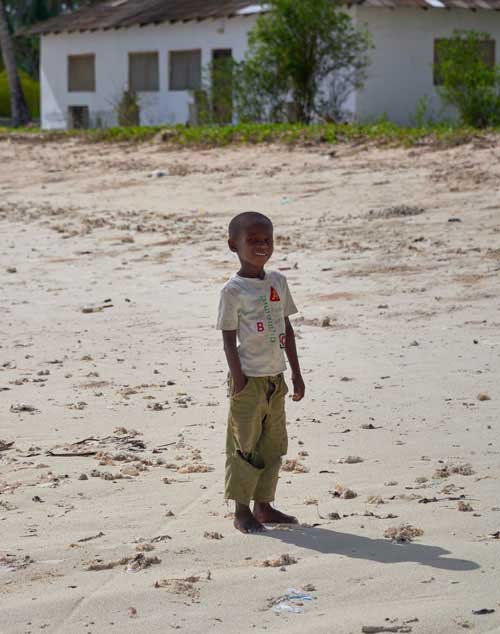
{"x":111,"y":49}
{"x":401,"y":69}
{"x":399,"y":75}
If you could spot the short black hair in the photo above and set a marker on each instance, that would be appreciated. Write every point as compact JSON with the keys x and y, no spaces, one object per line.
{"x":244,"y":219}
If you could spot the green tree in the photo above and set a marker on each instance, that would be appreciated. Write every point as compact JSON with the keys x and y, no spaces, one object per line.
{"x":468,"y":77}
{"x":308,"y":51}
{"x":24,"y":13}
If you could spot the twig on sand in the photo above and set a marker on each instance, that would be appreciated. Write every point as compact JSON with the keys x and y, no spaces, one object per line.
{"x":376,"y":629}
{"x":71,"y":454}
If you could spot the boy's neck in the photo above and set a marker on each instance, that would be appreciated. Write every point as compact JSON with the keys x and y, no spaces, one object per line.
{"x":252,"y":272}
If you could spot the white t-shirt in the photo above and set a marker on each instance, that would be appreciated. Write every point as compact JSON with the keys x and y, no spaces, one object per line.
{"x":256,"y":309}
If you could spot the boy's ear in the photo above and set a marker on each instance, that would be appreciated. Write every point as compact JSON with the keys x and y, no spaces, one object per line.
{"x":232,"y":245}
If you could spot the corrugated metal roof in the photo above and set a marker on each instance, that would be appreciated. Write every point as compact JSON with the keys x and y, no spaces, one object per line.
{"x":116,"y":14}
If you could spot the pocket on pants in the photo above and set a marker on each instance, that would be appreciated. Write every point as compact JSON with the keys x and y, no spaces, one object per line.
{"x":243,"y":391}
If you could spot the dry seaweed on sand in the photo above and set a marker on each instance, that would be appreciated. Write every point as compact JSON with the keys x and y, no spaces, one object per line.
{"x":18,"y":408}
{"x":459,"y":468}
{"x":403,"y":534}
{"x":7,"y":506}
{"x":195,"y":468}
{"x":334,"y":516}
{"x":141,"y":562}
{"x":144,"y":547}
{"x":283,"y":560}
{"x":11,"y":563}
{"x":293,"y":465}
{"x":350,"y":460}
{"x":186,"y":586}
{"x":375,"y":499}
{"x":123,"y":431}
{"x":340,"y":491}
{"x":396,"y":211}
{"x":134,"y":563}
{"x":310,"y":501}
{"x":212,"y":535}
{"x":98,"y":565}
{"x":464,"y":507}
{"x":124,"y":440}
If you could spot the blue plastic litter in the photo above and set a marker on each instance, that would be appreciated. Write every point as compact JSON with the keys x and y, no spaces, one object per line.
{"x":290,"y":602}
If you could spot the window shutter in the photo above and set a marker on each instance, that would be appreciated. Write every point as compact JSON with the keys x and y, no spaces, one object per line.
{"x":144,"y":74}
{"x":81,"y":73}
{"x":185,"y":70}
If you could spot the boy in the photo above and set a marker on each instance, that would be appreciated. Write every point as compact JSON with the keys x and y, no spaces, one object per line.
{"x":254,"y":308}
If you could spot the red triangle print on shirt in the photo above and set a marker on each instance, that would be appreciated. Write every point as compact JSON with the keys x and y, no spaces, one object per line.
{"x":274,"y":297}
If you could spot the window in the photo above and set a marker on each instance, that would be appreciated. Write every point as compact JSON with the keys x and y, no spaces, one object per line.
{"x":185,"y":70}
{"x":143,"y":75}
{"x":487,"y":50}
{"x":81,"y":73}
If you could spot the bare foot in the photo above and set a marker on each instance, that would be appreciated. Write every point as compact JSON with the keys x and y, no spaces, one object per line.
{"x":265,"y":513}
{"x":245,"y":521}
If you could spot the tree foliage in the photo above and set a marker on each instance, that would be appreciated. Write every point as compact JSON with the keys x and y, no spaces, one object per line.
{"x":470,"y":82}
{"x":307,"y":52}
{"x":22,"y":14}
{"x":31,"y":90}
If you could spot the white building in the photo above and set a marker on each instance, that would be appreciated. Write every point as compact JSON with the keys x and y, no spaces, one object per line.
{"x":159,"y":50}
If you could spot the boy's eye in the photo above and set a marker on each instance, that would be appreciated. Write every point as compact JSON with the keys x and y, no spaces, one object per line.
{"x":256,"y":240}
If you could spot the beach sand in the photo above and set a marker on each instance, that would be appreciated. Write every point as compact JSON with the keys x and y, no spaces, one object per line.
{"x":109,"y":283}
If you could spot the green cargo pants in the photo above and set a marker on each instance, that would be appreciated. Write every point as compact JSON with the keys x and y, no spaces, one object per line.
{"x":256,"y":439}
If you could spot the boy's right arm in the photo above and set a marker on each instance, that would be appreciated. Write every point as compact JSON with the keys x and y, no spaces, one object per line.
{"x":233,"y":360}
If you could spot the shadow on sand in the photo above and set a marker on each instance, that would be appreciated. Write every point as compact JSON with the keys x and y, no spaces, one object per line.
{"x":358,"y":547}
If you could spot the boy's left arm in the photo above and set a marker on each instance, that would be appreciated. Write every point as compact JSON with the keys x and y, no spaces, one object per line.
{"x":291,"y":353}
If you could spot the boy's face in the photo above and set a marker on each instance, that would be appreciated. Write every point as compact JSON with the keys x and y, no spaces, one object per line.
{"x":254,"y":245}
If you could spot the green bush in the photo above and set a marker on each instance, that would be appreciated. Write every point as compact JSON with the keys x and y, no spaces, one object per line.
{"x":31,"y":93}
{"x":128,"y":110}
{"x":469,"y":81}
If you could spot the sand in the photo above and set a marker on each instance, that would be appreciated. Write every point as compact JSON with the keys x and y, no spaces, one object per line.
{"x":109,"y":286}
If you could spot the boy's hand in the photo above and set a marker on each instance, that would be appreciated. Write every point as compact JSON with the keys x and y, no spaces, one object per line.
{"x":239,"y":384}
{"x":298,"y":387}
